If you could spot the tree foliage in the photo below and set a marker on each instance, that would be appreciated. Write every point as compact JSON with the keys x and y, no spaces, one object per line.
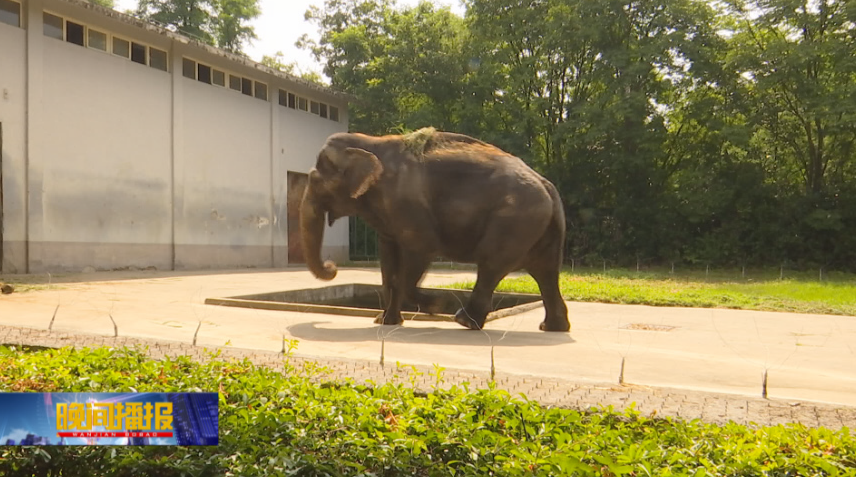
{"x":277,"y":62}
{"x":676,"y":130}
{"x":405,"y":65}
{"x":222,"y":23}
{"x":103,"y":3}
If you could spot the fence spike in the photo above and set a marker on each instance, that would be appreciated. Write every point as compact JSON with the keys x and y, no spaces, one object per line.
{"x":50,"y":326}
{"x":115,"y":328}
{"x":492,"y":365}
{"x":196,"y":333}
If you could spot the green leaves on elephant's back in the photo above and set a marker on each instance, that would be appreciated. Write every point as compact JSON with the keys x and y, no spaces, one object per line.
{"x":414,"y":142}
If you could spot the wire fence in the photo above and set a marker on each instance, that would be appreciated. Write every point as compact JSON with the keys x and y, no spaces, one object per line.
{"x":363,"y":241}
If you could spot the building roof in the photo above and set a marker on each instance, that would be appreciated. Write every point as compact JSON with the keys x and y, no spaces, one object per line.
{"x":181,"y":38}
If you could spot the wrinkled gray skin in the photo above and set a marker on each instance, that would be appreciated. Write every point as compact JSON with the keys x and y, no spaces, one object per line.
{"x":432,"y":194}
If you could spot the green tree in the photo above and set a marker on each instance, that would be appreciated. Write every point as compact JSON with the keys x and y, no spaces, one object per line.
{"x":193,"y":18}
{"x":584,"y":86}
{"x":797,"y":74}
{"x":709,"y":132}
{"x":797,"y":61}
{"x":221,"y":23}
{"x":103,"y":3}
{"x":405,"y":65}
{"x":230,"y":23}
{"x":277,"y":62}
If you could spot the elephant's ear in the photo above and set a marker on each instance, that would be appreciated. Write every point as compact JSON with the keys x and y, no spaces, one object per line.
{"x":363,"y":171}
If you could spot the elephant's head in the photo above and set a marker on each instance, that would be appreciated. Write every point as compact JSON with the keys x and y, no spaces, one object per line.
{"x":343,"y":173}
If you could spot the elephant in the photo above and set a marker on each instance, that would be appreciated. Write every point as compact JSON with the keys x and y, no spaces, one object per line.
{"x":431,"y":194}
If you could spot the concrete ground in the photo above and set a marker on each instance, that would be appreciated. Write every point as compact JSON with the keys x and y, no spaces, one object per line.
{"x":807,"y":358}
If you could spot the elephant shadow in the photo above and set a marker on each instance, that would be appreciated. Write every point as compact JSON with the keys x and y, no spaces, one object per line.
{"x":429,"y":336}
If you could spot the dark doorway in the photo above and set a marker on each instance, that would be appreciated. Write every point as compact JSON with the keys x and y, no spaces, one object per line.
{"x":296,"y":185}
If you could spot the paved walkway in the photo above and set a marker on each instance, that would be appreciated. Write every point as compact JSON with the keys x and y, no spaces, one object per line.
{"x":686,"y":363}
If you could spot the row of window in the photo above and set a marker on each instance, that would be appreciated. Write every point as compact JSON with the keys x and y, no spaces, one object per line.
{"x":291,"y":100}
{"x":72,"y":32}
{"x":208,"y":74}
{"x":10,"y":12}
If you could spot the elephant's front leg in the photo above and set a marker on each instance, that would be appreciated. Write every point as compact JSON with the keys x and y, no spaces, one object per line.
{"x":390,"y":270}
{"x":389,"y":264}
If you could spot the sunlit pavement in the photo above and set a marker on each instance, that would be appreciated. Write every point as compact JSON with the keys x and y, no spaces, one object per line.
{"x":804,"y":357}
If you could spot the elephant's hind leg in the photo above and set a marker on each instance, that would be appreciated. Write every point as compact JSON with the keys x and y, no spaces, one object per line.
{"x":503,"y":249}
{"x":544,"y":264}
{"x":474,"y":314}
{"x":556,"y":311}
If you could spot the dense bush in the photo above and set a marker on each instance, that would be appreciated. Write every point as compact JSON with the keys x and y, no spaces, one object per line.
{"x":282,"y":424}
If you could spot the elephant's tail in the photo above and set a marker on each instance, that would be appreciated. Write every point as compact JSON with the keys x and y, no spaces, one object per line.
{"x":556,"y":230}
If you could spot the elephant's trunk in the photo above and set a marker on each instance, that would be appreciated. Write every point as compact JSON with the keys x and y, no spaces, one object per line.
{"x":312,"y":235}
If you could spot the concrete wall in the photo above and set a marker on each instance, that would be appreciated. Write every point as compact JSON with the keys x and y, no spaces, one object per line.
{"x":110,"y":164}
{"x":223,"y":208}
{"x":13,"y":101}
{"x":105,"y":163}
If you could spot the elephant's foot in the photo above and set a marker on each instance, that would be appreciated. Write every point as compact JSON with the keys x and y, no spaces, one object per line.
{"x":389,"y":319}
{"x":555,"y":325}
{"x":463,"y":318}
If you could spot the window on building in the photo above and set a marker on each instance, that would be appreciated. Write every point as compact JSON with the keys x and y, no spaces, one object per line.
{"x":188,"y":68}
{"x":323,"y":111}
{"x":204,"y":73}
{"x":302,"y":104}
{"x":53,"y":26}
{"x":334,"y":113}
{"x":247,"y":86}
{"x":283,"y":97}
{"x":10,"y":12}
{"x":261,"y":91}
{"x":138,"y":53}
{"x":235,"y":82}
{"x":314,"y":107}
{"x":218,"y":77}
{"x":158,"y":59}
{"x":74,"y":33}
{"x":96,"y":40}
{"x":121,"y":47}
{"x":292,"y":100}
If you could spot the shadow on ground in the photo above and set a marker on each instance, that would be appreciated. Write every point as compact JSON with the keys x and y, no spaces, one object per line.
{"x":430,"y":336}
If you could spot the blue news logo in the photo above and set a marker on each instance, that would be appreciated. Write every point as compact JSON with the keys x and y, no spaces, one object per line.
{"x":109,"y":419}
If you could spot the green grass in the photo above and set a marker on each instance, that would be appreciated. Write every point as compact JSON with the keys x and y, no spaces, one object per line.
{"x":276,"y":424}
{"x":801,"y":293}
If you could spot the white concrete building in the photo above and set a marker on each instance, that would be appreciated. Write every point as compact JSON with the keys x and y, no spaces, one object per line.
{"x":123,"y":144}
